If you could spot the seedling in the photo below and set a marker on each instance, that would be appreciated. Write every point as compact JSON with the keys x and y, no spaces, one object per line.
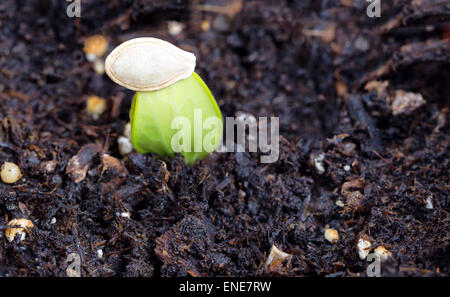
{"x":169,"y":99}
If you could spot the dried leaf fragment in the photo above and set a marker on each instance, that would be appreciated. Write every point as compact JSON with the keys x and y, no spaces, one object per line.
{"x":327,"y":34}
{"x":113,"y":171}
{"x":278,"y":262}
{"x":379,"y":86}
{"x":79,"y":164}
{"x":49,"y":166}
{"x":354,"y":198}
{"x":405,"y":102}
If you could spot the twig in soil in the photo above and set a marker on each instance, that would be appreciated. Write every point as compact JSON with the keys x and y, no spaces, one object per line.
{"x":358,"y":113}
{"x":420,"y":52}
{"x":204,"y":176}
{"x":284,"y":140}
{"x":5,"y":146}
{"x":122,"y":21}
{"x":415,"y":12}
{"x":432,"y":51}
{"x":434,"y":17}
{"x":385,"y":160}
{"x":231,"y":9}
{"x":106,"y":143}
{"x":413,"y":31}
{"x":161,"y":219}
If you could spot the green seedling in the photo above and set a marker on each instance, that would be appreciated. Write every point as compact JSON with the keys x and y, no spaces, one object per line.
{"x":173,"y":111}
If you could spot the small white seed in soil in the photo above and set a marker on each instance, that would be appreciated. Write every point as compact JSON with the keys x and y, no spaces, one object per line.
{"x":242,"y":194}
{"x":340,"y":203}
{"x":331,"y":235}
{"x":125,"y":145}
{"x":347,"y":168}
{"x":429,"y":203}
{"x":127,"y":131}
{"x":99,"y":67}
{"x":125,"y":215}
{"x":99,"y":253}
{"x":318,"y":163}
{"x":175,"y":28}
{"x":91,"y":57}
{"x":363,"y":247}
{"x":383,"y":253}
{"x":10,"y":173}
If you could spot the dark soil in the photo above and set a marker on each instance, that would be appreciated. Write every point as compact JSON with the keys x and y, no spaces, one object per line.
{"x":306,"y":62}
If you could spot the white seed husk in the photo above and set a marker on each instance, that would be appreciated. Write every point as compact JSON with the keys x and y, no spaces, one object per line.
{"x":148,"y":64}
